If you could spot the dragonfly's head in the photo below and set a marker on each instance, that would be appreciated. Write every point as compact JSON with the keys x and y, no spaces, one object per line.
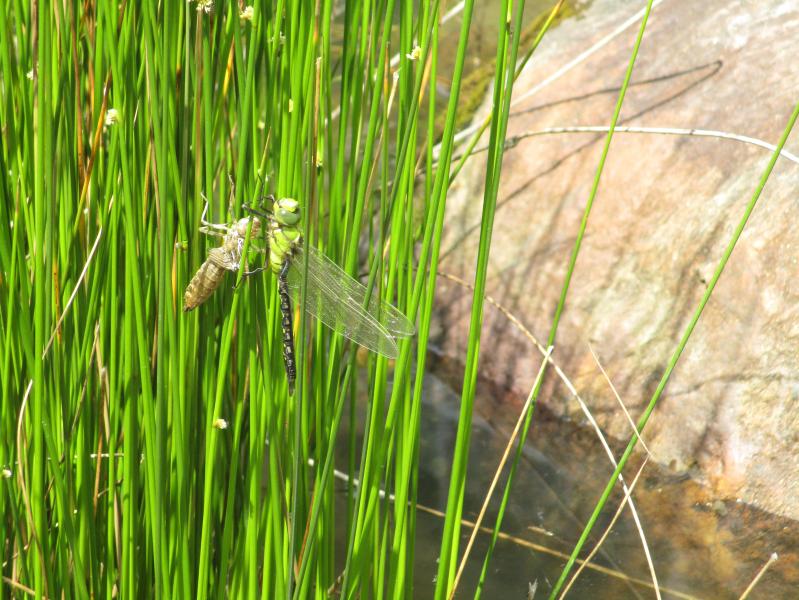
{"x":286,"y":212}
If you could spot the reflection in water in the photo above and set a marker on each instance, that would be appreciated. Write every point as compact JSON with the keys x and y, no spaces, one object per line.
{"x":701,"y":546}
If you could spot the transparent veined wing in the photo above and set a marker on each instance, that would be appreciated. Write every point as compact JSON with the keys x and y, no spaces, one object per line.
{"x":338,"y":301}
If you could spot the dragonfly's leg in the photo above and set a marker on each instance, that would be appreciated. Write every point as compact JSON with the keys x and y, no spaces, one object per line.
{"x":286,"y":325}
{"x":262,"y":209}
{"x":270,"y":197}
{"x":257,"y":212}
{"x":207,"y":228}
{"x":205,"y":210}
{"x":211,"y":228}
{"x":246,"y":274}
{"x":232,"y":195}
{"x":255,"y":271}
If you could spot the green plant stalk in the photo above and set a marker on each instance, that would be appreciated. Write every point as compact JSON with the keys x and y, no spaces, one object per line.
{"x":356,"y":559}
{"x":503,"y":87}
{"x":302,"y":83}
{"x":438,"y":195}
{"x":401,"y":576}
{"x":213,"y":434}
{"x":303,"y":578}
{"x":372,"y":461}
{"x":190,"y":89}
{"x":43,"y":249}
{"x":227,"y":529}
{"x":255,"y":451}
{"x":528,"y":417}
{"x":467,"y":153}
{"x":351,"y":253}
{"x":183,"y":410}
{"x":154,"y":411}
{"x":562,"y":299}
{"x":167,"y":187}
{"x":367,"y":452}
{"x":133,"y":347}
{"x":212,"y":438}
{"x":65,"y":513}
{"x":374,"y":448}
{"x":320,"y":545}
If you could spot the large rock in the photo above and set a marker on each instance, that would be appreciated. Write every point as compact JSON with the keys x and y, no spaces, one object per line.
{"x":666,"y":208}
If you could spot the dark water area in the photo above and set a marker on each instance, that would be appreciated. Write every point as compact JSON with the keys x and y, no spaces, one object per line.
{"x":701,"y":546}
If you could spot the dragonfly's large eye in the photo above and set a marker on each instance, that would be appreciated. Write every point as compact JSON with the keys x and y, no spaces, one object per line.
{"x":286,"y":217}
{"x":289,"y":204}
{"x":287,"y":212}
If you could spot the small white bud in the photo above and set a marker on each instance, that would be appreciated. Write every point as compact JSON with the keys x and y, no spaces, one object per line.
{"x":247,"y":14}
{"x":220,"y":424}
{"x":111,"y":117}
{"x":414,"y":54}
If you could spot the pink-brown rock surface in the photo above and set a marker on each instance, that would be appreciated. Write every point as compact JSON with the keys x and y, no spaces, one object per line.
{"x":666,"y":208}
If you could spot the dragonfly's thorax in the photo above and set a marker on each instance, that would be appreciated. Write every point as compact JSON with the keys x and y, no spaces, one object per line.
{"x":284,"y":233}
{"x":282,"y":242}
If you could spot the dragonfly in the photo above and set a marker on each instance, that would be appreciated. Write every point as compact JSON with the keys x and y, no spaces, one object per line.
{"x":220,"y":260}
{"x":331,"y":295}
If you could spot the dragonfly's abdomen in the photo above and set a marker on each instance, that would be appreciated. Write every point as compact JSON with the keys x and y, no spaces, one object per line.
{"x":202,"y":285}
{"x":287,"y":327}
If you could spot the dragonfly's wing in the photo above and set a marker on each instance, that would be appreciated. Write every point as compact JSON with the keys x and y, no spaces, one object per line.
{"x":337,"y":300}
{"x":385,"y":313}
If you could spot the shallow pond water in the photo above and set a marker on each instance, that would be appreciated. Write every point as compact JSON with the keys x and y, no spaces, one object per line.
{"x":701,"y":546}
